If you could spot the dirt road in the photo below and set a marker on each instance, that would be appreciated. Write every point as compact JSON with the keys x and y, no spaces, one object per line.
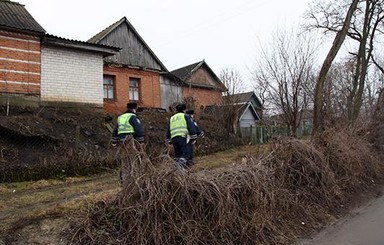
{"x":29,"y":199}
{"x":364,"y":226}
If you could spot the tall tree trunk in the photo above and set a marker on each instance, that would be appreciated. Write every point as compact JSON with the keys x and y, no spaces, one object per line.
{"x":364,"y":56}
{"x":318,"y":120}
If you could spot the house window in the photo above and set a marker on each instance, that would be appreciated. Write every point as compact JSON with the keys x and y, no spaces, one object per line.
{"x":134,"y":89}
{"x":108,"y":83}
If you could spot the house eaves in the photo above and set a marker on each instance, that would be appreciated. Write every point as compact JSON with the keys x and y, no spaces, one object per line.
{"x":172,"y":77}
{"x":197,"y":85}
{"x":14,"y":17}
{"x":105,"y":50}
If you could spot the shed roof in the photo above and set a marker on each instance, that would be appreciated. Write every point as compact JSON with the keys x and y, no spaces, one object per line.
{"x":13,"y":15}
{"x":240,"y":108}
{"x":242,"y":98}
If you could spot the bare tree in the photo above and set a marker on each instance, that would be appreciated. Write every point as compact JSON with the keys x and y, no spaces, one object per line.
{"x":336,"y":90}
{"x":232,"y":80}
{"x":230,"y":109}
{"x":363,"y":22}
{"x":374,"y":84}
{"x":338,"y":87}
{"x":284,"y":71}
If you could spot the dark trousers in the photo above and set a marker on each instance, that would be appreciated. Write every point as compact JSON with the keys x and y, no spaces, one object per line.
{"x":181,"y":151}
{"x":190,"y":153}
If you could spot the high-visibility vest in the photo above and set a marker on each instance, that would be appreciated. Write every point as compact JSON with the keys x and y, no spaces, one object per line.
{"x":178,"y":125}
{"x":124,"y":126}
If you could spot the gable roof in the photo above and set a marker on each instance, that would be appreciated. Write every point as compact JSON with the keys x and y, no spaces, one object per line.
{"x":245,"y":107}
{"x":186,"y":72}
{"x":99,"y":37}
{"x":13,"y":15}
{"x":240,"y":108}
{"x":242,"y":98}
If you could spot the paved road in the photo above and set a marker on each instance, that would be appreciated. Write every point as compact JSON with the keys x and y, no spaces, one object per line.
{"x":365,"y":226}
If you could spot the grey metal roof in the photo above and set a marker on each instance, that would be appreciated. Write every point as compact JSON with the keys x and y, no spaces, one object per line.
{"x":106,"y":50}
{"x":185,"y":72}
{"x":13,"y":15}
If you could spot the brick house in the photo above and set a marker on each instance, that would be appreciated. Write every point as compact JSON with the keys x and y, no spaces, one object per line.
{"x":201,"y":84}
{"x":131,"y":75}
{"x":20,"y":51}
{"x":46,"y":69}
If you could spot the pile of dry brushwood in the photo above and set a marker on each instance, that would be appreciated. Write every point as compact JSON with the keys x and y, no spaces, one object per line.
{"x":268,"y":199}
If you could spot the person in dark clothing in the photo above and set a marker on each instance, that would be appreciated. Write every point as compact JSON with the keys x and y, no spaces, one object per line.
{"x":128,"y":125}
{"x":180,"y":127}
{"x":190,"y":143}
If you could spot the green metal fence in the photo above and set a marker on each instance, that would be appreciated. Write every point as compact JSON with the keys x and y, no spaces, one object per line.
{"x":262,"y":134}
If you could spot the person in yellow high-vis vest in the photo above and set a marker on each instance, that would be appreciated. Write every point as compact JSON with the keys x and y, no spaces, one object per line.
{"x":128,"y":125}
{"x":181,"y":129}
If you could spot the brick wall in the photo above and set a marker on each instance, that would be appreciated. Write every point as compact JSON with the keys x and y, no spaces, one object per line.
{"x":19,"y":63}
{"x":149,"y":88}
{"x":71,"y":76}
{"x":203,"y":97}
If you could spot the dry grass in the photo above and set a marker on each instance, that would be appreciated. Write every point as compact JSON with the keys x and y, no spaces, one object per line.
{"x":271,"y":198}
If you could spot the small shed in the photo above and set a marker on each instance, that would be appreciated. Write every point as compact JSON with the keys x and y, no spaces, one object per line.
{"x":250,"y":110}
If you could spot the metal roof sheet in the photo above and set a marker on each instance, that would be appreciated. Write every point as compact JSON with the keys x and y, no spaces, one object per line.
{"x":14,"y":15}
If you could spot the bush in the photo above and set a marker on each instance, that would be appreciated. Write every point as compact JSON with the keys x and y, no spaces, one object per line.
{"x":269,"y":199}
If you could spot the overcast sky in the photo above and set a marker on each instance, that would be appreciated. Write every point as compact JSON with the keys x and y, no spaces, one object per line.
{"x":223,"y":32}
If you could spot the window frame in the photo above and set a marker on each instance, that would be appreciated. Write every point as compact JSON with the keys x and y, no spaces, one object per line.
{"x":131,"y":89}
{"x":110,"y":87}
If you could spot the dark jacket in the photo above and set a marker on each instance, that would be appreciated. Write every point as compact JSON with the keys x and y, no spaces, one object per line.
{"x":199,"y":132}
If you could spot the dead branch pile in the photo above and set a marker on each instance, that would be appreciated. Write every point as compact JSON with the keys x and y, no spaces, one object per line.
{"x":270,"y":199}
